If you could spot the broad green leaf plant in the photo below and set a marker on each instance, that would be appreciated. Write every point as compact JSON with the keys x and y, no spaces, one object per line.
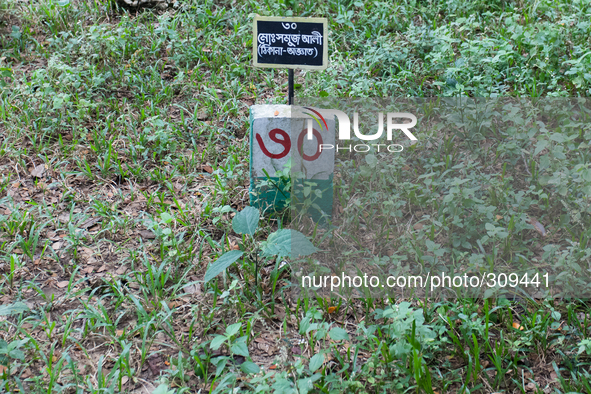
{"x":283,"y":243}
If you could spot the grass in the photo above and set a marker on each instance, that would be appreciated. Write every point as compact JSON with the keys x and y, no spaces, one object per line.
{"x":123,"y":159}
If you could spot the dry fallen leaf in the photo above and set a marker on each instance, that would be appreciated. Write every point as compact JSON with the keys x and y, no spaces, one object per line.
{"x":537,"y":226}
{"x":147,"y":235}
{"x":207,"y":169}
{"x":3,"y":369}
{"x":89,"y":222}
{"x":121,"y":270}
{"x":26,"y":374}
{"x":174,"y":304}
{"x":87,"y":251}
{"x":418,"y":226}
{"x":37,"y":172}
{"x":499,"y":217}
{"x":63,"y":284}
{"x":192,"y":289}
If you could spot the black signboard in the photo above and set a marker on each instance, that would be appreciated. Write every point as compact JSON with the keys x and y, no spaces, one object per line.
{"x":290,"y":42}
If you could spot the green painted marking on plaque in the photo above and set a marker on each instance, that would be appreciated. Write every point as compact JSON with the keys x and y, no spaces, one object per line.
{"x":274,"y":135}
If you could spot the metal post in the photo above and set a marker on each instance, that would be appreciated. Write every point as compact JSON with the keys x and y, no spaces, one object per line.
{"x":290,"y":87}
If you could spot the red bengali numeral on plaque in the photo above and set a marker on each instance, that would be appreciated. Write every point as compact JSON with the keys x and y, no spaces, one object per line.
{"x":301,"y":145}
{"x":285,"y":142}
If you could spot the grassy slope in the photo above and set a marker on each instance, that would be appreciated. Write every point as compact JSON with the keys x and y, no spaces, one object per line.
{"x":135,"y":126}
